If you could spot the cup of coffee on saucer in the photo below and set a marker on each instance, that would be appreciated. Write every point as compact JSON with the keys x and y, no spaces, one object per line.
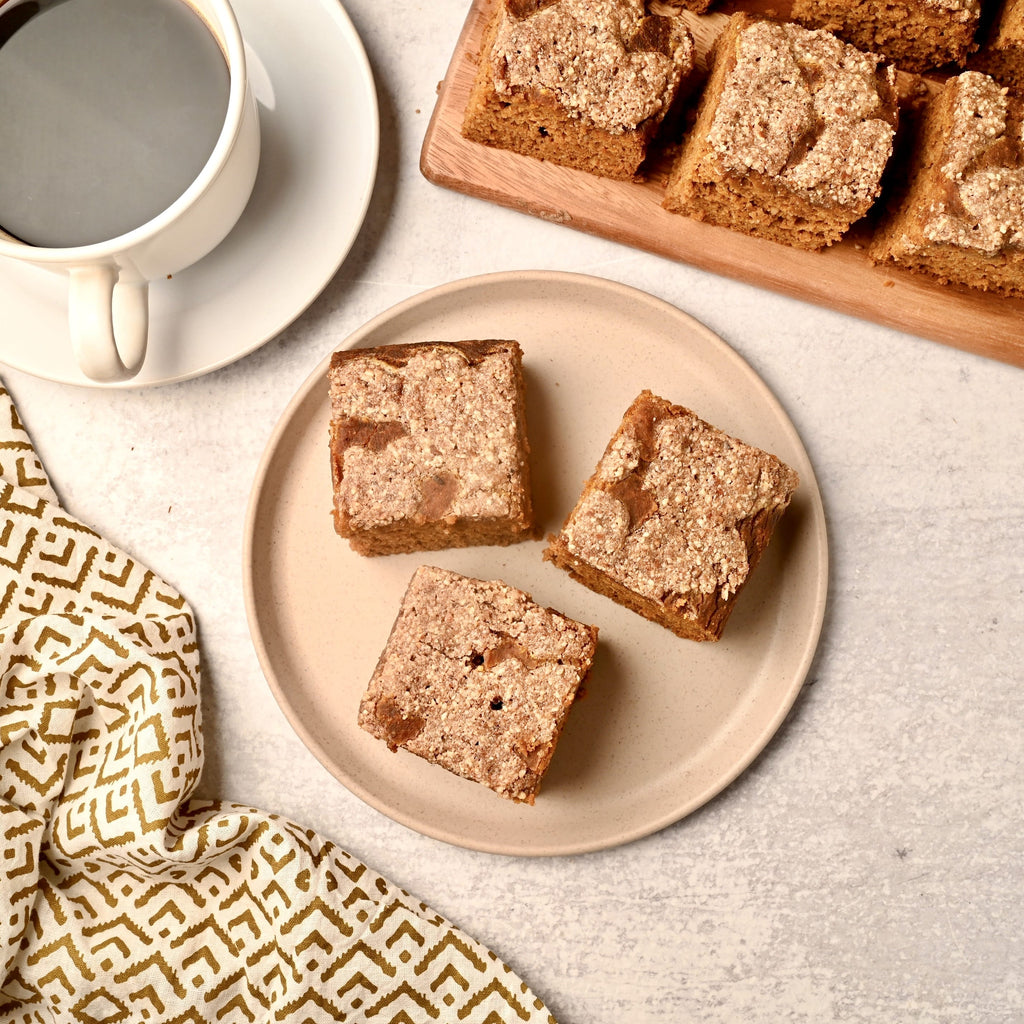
{"x":129,"y":146}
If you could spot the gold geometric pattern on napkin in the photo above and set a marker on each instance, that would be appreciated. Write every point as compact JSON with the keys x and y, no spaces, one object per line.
{"x":122,"y":899}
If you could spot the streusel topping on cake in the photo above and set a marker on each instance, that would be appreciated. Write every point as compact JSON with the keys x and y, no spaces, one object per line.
{"x":427,"y":437}
{"x":985,"y":206}
{"x":606,"y":60}
{"x":962,"y":9}
{"x":477,"y":678}
{"x":807,"y":109}
{"x":671,"y":494}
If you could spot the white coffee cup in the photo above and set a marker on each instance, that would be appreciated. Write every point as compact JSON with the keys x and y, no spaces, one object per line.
{"x":108,"y":282}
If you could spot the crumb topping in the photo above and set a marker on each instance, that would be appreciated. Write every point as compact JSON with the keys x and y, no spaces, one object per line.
{"x":429,"y":437}
{"x":965,"y":10}
{"x":981,"y":161}
{"x":809,"y":110}
{"x":604,"y":60}
{"x":698,"y":485}
{"x":478,"y":678}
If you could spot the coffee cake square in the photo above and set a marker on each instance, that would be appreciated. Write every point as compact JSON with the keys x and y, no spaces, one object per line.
{"x":583,"y":84}
{"x":916,"y":35}
{"x":1002,"y":52}
{"x":478,"y":679}
{"x":429,"y":447}
{"x":961,"y":219}
{"x":674,"y":519}
{"x":793,"y":132}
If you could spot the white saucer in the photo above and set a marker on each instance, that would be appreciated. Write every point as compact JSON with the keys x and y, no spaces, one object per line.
{"x":320,"y":137}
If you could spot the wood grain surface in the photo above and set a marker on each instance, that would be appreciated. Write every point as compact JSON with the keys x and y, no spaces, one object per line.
{"x":842,"y":277}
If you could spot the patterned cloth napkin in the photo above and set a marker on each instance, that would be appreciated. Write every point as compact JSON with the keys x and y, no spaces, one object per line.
{"x":121,"y":899}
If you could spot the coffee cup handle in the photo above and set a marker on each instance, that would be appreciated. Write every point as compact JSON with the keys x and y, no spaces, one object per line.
{"x":109,"y":322}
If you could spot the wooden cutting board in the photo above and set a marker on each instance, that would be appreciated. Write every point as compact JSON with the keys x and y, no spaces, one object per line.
{"x":842,"y":277}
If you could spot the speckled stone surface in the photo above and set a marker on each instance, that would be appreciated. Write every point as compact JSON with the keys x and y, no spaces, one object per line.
{"x":867,"y":867}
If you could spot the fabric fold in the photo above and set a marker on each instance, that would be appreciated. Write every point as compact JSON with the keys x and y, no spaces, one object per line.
{"x":123,"y":897}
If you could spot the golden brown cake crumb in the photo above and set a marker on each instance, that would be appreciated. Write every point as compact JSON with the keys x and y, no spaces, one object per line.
{"x":794,"y":131}
{"x":428,"y":446}
{"x":674,"y":518}
{"x":962,"y":218}
{"x":917,"y":35}
{"x":479,"y":679}
{"x":584,"y":83}
{"x":1002,"y":52}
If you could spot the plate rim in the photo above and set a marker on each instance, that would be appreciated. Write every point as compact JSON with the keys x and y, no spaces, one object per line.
{"x":771,"y":725}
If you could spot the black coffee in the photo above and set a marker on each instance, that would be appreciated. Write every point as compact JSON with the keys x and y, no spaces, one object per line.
{"x":108,"y":111}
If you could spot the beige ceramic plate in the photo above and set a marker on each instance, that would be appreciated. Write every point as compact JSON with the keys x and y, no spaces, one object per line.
{"x":666,"y":723}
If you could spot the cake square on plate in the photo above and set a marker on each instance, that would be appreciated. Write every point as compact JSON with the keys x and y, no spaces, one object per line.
{"x":479,"y":679}
{"x":674,"y":519}
{"x":429,"y":447}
